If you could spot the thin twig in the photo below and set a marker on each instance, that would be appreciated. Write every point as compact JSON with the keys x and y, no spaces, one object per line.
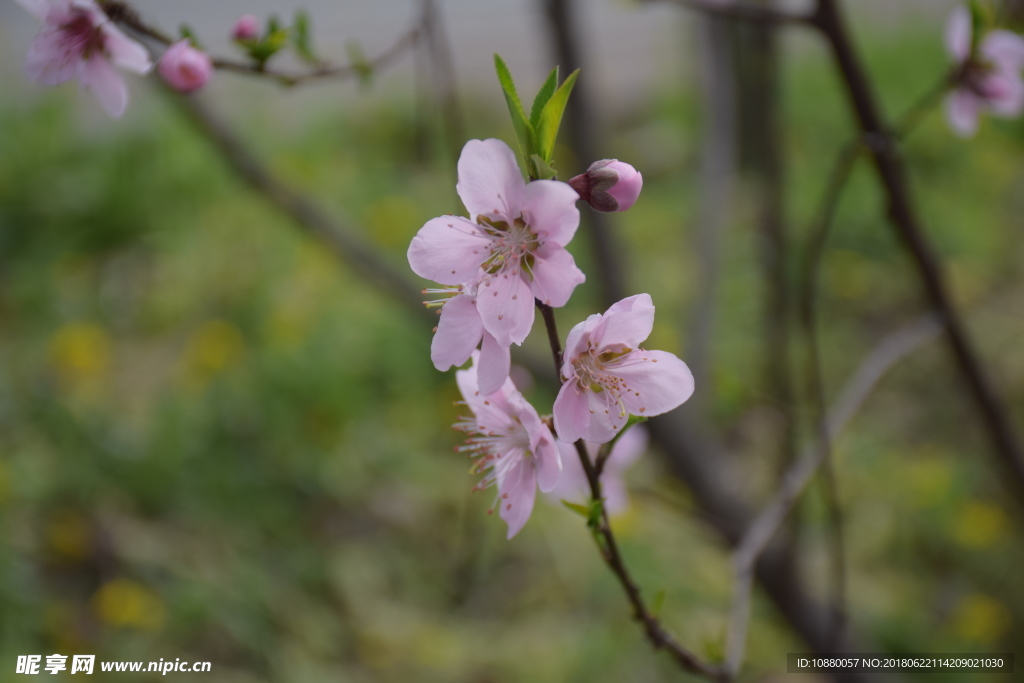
{"x":869,"y":372}
{"x":124,"y":14}
{"x":659,"y":637}
{"x":742,"y":11}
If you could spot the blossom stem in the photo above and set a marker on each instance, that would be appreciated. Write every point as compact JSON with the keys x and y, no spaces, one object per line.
{"x":660,"y":638}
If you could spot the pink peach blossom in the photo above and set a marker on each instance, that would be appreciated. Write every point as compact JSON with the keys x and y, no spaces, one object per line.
{"x":609,"y":185}
{"x":246,"y":28}
{"x":609,"y":377}
{"x":511,"y":249}
{"x":572,"y":486}
{"x":184,"y":67}
{"x":510,"y":445}
{"x":78,"y":40}
{"x":459,"y":331}
{"x":989,"y":76}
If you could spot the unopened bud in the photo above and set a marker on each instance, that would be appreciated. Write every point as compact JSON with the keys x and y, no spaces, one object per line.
{"x":246,"y":28}
{"x":609,"y":185}
{"x":184,"y":67}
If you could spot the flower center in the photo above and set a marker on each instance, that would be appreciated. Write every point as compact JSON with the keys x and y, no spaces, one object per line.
{"x":511,"y":246}
{"x":493,"y":451}
{"x":81,"y":36}
{"x":592,"y":374}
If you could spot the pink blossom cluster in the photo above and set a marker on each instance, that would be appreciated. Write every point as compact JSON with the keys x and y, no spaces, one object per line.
{"x":493,"y":266}
{"x":988,"y":73}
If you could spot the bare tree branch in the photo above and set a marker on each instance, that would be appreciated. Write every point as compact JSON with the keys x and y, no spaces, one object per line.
{"x":743,"y":11}
{"x":755,"y":540}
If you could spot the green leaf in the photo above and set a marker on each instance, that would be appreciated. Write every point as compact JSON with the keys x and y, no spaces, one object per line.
{"x":581,"y":510}
{"x":300,"y":37}
{"x":540,"y":169}
{"x":551,"y":117}
{"x":543,"y":95}
{"x":359,"y":62}
{"x":524,"y":130}
{"x":186,"y":32}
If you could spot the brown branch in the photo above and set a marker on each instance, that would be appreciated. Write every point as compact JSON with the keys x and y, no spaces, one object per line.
{"x":892,"y":175}
{"x":656,"y":633}
{"x":125,"y":15}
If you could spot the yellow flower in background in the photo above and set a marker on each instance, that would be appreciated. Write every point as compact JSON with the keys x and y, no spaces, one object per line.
{"x":980,"y":619}
{"x":80,"y":352}
{"x":123,"y":602}
{"x":213,"y":347}
{"x":980,"y":525}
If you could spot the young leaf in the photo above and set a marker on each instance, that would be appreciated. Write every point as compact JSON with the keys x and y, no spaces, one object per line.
{"x":551,"y":117}
{"x":543,"y":95}
{"x":581,"y":510}
{"x":300,"y":37}
{"x":359,"y":62}
{"x":524,"y":130}
{"x":540,"y":169}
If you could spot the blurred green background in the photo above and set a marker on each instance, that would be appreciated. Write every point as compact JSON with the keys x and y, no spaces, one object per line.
{"x":217,"y":443}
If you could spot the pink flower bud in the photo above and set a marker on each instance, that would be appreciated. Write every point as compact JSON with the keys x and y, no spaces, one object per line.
{"x":609,"y":185}
{"x":246,"y":28}
{"x":184,"y":67}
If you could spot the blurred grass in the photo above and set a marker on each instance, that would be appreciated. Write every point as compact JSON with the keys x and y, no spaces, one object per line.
{"x":216,"y":444}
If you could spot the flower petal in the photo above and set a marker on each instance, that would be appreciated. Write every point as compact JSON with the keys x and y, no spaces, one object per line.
{"x":516,"y":493}
{"x":572,"y":483}
{"x":629,"y":447}
{"x":555,"y":275}
{"x":657,"y":381}
{"x":571,"y":412}
{"x":98,"y":76}
{"x":549,"y":208}
{"x":962,"y":112}
{"x":1010,"y":101}
{"x":448,"y":249}
{"x":489,"y":180}
{"x":578,"y":342}
{"x":493,"y":364}
{"x":506,"y":306}
{"x":627,"y":323}
{"x":51,"y":60}
{"x":958,"y":33}
{"x":493,"y":411}
{"x":123,"y":51}
{"x":458,"y":332}
{"x":1006,"y":49}
{"x":548,"y":459}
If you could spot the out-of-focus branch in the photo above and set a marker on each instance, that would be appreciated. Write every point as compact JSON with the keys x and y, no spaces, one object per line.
{"x":892,"y":175}
{"x":608,"y":257}
{"x":717,"y":187}
{"x":743,"y":11}
{"x":126,"y":15}
{"x":755,"y":540}
{"x":341,"y":239}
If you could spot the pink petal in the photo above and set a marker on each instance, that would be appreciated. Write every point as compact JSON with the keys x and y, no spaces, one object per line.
{"x":98,"y":76}
{"x":458,"y":332}
{"x":627,"y":323}
{"x":489,"y":180}
{"x":629,"y":447}
{"x":662,"y":381}
{"x":958,"y":33}
{"x":493,"y":411}
{"x":1010,"y":101}
{"x":962,"y":112}
{"x":549,"y":208}
{"x":572,"y":484}
{"x":506,"y":306}
{"x":123,"y":51}
{"x":494,"y":364}
{"x":516,"y":493}
{"x":585,"y":415}
{"x":1005,"y":48}
{"x":51,"y":60}
{"x":548,"y":461}
{"x":555,"y":275}
{"x":448,"y":249}
{"x":578,"y":342}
